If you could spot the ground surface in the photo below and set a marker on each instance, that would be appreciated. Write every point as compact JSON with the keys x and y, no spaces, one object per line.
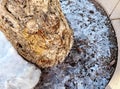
{"x":92,"y":60}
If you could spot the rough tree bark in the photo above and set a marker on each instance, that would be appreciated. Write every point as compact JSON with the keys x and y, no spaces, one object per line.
{"x":37,"y":29}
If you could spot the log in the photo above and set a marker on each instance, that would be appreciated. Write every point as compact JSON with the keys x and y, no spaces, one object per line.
{"x":37,"y":29}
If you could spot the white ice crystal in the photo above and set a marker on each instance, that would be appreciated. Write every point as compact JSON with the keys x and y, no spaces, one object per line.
{"x":15,"y":72}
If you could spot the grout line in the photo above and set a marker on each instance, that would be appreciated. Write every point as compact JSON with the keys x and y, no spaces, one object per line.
{"x":114,"y":8}
{"x":116,"y":19}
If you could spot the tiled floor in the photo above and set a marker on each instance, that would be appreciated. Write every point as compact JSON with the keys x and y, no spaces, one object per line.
{"x":112,"y":7}
{"x":109,"y":5}
{"x":116,"y":12}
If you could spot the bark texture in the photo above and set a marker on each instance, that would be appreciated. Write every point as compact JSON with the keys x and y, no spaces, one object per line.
{"x":37,"y":29}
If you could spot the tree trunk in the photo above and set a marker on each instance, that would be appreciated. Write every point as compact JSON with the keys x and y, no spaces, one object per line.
{"x":37,"y":29}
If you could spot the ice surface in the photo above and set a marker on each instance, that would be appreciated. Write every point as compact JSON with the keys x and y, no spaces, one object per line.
{"x":15,"y":72}
{"x":88,"y":63}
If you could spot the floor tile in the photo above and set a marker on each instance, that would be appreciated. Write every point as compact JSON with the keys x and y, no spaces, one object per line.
{"x":108,"y":5}
{"x":108,"y":87}
{"x":116,"y":12}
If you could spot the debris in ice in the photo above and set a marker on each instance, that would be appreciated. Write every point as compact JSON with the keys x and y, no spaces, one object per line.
{"x":88,"y":66}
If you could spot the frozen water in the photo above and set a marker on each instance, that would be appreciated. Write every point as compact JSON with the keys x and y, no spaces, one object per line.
{"x":15,"y":72}
{"x":88,"y":64}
